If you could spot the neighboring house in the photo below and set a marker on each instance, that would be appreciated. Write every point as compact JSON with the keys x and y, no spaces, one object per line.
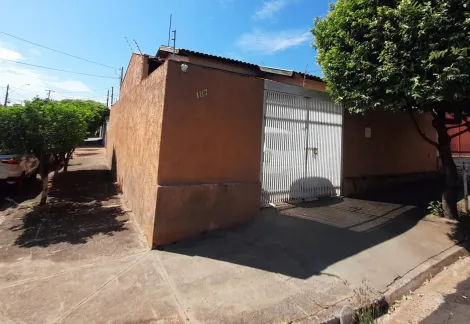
{"x":199,"y":142}
{"x":460,"y":145}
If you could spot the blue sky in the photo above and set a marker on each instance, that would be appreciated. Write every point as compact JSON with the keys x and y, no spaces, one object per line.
{"x":267,"y":32}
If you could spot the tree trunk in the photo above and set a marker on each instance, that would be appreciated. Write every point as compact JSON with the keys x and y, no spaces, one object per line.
{"x":449,"y":197}
{"x":56,"y":171}
{"x":67,"y":159}
{"x":45,"y":187}
{"x":43,"y":172}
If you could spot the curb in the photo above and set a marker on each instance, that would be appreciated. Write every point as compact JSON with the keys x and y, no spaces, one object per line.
{"x":416,"y":277}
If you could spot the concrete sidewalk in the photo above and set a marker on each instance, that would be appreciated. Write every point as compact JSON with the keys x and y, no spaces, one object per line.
{"x":88,"y":263}
{"x":443,"y":299}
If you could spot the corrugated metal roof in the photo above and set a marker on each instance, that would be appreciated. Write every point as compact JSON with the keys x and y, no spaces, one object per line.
{"x":183,"y":51}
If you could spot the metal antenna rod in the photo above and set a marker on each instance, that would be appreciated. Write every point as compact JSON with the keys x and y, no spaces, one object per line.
{"x":169,"y":32}
{"x":138,"y":47}
{"x":132,"y":50}
{"x":174,"y":41}
{"x":305,"y":74}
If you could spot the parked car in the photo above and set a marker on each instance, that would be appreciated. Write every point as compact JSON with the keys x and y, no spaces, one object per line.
{"x":15,"y":169}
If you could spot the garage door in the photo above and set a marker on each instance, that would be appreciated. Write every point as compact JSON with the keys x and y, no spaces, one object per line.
{"x":301,"y":146}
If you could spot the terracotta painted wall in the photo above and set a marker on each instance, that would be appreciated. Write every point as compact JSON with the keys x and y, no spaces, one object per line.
{"x":395,"y":146}
{"x":215,"y":138}
{"x":298,"y":80}
{"x":210,"y":152}
{"x":137,"y":70}
{"x":460,"y":145}
{"x":133,"y":141}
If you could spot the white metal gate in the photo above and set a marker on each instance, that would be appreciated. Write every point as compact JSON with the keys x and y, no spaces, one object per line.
{"x":302,"y":141}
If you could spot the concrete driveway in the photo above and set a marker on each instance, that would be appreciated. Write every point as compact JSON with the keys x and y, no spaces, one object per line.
{"x":84,"y":260}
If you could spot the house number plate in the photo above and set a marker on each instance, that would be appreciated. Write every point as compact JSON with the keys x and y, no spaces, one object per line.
{"x":201,"y":94}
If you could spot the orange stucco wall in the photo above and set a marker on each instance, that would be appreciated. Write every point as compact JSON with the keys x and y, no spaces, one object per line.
{"x":394,"y":148}
{"x":460,"y":145}
{"x":214,"y":138}
{"x":133,"y":141}
{"x":298,"y":80}
{"x":187,"y":164}
{"x":186,"y":147}
{"x":135,"y":73}
{"x":210,"y":152}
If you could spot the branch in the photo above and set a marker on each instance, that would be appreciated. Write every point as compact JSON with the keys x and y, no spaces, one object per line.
{"x":460,"y":133}
{"x":427,"y":139}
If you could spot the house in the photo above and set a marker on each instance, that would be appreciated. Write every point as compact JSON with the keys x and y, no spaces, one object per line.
{"x":199,"y":142}
{"x":460,"y":145}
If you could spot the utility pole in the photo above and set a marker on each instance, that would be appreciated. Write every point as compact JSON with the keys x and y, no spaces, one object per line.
{"x":6,"y":95}
{"x":49,"y":94}
{"x":107,"y":99}
{"x":112,"y":94}
{"x":120,"y":83}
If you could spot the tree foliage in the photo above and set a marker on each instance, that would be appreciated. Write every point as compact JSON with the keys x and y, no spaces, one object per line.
{"x":407,"y":53}
{"x":94,"y":112}
{"x":50,"y":130}
{"x":401,"y":55}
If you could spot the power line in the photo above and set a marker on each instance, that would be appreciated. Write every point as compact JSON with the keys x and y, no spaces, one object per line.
{"x":17,"y":94}
{"x":95,"y":90}
{"x":80,"y":97}
{"x":49,"y":68}
{"x":54,"y":50}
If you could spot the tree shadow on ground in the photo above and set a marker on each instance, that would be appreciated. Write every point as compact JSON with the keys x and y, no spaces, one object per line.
{"x":304,"y":239}
{"x":82,"y":204}
{"x":454,"y":309}
{"x":10,"y":196}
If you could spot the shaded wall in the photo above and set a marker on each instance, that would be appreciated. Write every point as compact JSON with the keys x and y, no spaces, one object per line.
{"x":299,"y":81}
{"x":460,"y":145}
{"x":394,"y":154}
{"x":133,"y":140}
{"x":296,"y":79}
{"x":210,"y":152}
{"x":216,"y":64}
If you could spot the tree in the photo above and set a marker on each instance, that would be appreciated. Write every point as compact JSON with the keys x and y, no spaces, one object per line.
{"x":402,"y":55}
{"x":94,"y":114}
{"x":44,"y":128}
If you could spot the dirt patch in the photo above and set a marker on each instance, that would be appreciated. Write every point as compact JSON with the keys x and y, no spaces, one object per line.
{"x":83,"y":205}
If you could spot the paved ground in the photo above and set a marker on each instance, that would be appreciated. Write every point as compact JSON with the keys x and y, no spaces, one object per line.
{"x":87,"y":262}
{"x":445,"y":299}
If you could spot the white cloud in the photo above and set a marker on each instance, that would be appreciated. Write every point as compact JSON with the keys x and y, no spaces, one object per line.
{"x":270,"y":9}
{"x":73,"y":86}
{"x":271,"y":42}
{"x":7,"y":54}
{"x":27,"y":83}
